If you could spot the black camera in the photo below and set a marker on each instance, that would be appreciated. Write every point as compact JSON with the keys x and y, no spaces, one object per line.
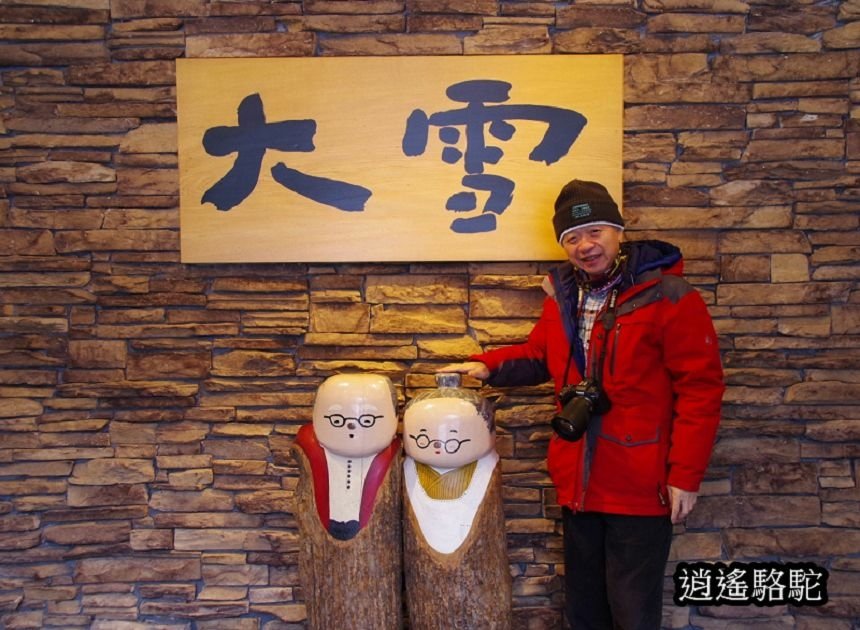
{"x":578,"y":403}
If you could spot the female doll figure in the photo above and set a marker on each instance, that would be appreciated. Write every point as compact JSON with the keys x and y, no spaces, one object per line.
{"x":348,"y":505}
{"x":455,"y":553}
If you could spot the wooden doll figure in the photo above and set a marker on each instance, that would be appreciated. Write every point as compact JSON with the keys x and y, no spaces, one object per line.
{"x":455,"y":552}
{"x":348,"y":505}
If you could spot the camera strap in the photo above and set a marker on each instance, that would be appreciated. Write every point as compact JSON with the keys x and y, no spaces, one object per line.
{"x":608,"y":320}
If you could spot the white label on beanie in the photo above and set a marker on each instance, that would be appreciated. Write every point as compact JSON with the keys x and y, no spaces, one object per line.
{"x":580,"y":211}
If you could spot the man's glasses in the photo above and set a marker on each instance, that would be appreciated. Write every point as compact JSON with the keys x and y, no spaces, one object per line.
{"x":365,"y":420}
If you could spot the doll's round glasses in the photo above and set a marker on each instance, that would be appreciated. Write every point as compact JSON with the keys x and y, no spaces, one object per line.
{"x":451,"y":445}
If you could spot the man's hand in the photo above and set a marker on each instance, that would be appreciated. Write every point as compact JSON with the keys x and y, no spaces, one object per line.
{"x":471,"y":368}
{"x":682,"y":502}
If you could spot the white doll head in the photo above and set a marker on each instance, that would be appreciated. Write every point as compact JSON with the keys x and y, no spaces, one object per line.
{"x":354,"y":414}
{"x":447,"y":432}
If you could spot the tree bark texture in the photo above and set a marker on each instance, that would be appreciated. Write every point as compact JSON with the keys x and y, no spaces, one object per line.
{"x":469,"y":588}
{"x":354,"y":583}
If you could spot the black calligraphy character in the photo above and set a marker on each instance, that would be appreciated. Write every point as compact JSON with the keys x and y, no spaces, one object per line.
{"x":563,"y":129}
{"x":251,"y":139}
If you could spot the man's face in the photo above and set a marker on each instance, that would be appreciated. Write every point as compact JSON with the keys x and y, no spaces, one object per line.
{"x":592,"y":248}
{"x":354,"y":415}
{"x":446,"y":433}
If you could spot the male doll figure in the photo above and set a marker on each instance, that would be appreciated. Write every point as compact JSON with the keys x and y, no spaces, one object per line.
{"x":455,"y":553}
{"x":348,"y":504}
{"x":350,"y":447}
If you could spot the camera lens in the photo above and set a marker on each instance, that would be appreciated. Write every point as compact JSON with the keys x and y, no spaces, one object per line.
{"x":570,"y":423}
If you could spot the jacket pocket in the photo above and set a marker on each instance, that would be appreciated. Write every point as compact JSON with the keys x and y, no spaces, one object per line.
{"x":563,"y":465}
{"x":633,"y":351}
{"x":648,"y":435}
{"x":629,"y":465}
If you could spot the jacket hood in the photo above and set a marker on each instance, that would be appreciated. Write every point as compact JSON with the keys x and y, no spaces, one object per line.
{"x":644,"y":256}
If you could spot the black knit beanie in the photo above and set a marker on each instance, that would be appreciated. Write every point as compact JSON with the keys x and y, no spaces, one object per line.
{"x":584,"y":203}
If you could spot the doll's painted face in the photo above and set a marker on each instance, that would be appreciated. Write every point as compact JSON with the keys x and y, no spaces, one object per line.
{"x":354,"y":414}
{"x":446,"y":433}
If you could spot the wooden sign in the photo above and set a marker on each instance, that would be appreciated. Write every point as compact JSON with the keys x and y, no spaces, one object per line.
{"x":390,"y":159}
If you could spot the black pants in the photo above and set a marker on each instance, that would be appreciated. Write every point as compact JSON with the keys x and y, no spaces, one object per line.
{"x":614,"y":567}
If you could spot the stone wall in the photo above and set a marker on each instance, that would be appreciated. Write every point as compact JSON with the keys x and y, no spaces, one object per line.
{"x":147,"y":407}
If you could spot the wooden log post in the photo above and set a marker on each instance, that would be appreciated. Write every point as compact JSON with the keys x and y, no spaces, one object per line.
{"x":348,"y":506}
{"x":469,"y":588}
{"x":354,"y":583}
{"x":455,"y":547}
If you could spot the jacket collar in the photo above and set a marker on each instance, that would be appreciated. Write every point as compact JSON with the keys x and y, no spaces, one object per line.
{"x":647,"y":260}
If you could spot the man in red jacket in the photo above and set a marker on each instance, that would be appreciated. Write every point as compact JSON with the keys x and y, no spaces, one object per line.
{"x":634,"y":356}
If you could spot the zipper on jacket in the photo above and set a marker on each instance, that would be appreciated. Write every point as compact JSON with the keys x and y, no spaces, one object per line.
{"x":586,"y":470}
{"x":587,"y":456}
{"x":591,"y":368}
{"x":614,"y":345}
{"x":660,"y":496}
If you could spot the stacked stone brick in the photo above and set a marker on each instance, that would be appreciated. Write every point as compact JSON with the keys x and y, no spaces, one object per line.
{"x":146,"y":406}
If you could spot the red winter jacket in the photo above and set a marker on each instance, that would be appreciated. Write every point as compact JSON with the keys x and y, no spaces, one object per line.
{"x":662,"y":374}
